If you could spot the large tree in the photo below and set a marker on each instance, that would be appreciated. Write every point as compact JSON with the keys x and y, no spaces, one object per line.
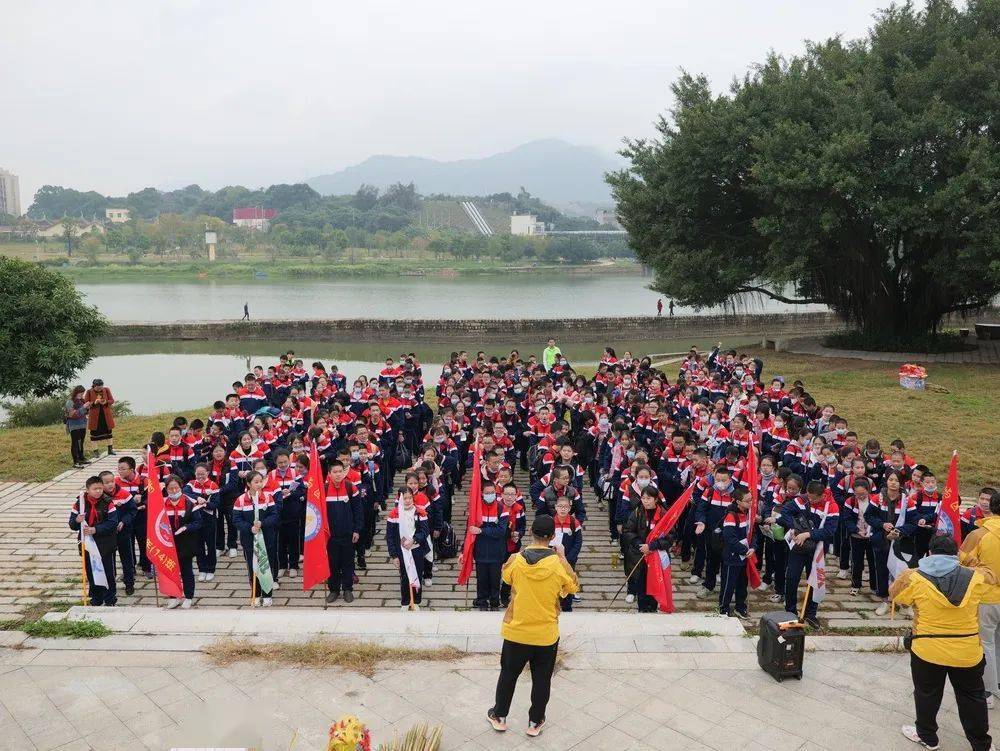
{"x":47,"y":333}
{"x":864,"y":175}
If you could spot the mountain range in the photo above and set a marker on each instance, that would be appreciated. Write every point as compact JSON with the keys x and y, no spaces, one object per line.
{"x":553,"y":170}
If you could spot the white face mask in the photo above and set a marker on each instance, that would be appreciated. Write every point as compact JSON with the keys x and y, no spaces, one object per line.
{"x":641,"y":482}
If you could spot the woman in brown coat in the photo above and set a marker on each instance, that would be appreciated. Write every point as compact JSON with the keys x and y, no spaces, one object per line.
{"x":100,"y":418}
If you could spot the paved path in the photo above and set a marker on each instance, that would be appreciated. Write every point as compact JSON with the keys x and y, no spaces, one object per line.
{"x":39,"y":562}
{"x":73,"y":701}
{"x":988,"y":353}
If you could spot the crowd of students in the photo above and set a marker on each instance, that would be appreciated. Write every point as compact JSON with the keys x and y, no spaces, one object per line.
{"x":638,"y":435}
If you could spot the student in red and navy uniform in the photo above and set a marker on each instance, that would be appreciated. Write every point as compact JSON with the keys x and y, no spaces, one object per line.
{"x":811,"y":522}
{"x":125,"y":507}
{"x":185,"y":522}
{"x":891,"y":515}
{"x":133,"y":483}
{"x":514,"y":508}
{"x":346,"y":520}
{"x":285,"y":478}
{"x":195,"y":439}
{"x":363,"y":474}
{"x":254,"y":511}
{"x":928,"y":502}
{"x":569,"y":534}
{"x":406,"y":515}
{"x":205,"y":494}
{"x":252,"y":397}
{"x":94,"y":513}
{"x":973,"y":514}
{"x":859,"y":533}
{"x":735,"y":526}
{"x":490,"y":550}
{"x":178,"y":456}
{"x":709,"y":511}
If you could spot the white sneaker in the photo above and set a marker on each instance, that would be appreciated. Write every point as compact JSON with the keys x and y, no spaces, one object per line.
{"x":694,"y":579}
{"x":776,"y":597}
{"x":404,"y":608}
{"x":172,"y":603}
{"x":256,"y":602}
{"x":855,"y":591}
{"x":268,"y":602}
{"x":704,"y":592}
{"x":911,"y":733}
{"x":882,"y":609}
{"x":232,"y":552}
{"x":989,"y":701}
{"x":293,"y":572}
{"x":428,"y":582}
{"x":630,"y":598}
{"x":843,"y":573}
{"x":202,"y":577}
{"x":283,"y":572}
{"x":762,"y":587}
{"x":276,"y":585}
{"x":186,"y":605}
{"x":209,"y":577}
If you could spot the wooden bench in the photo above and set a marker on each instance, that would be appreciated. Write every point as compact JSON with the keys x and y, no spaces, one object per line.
{"x":988,"y":330}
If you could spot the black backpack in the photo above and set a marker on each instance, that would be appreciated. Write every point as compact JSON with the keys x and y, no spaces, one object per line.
{"x":803,"y":523}
{"x":446,"y":545}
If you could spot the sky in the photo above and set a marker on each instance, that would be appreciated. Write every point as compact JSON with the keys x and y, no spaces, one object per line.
{"x":115,"y":96}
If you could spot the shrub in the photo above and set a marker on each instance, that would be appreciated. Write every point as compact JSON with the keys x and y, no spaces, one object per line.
{"x":37,"y":413}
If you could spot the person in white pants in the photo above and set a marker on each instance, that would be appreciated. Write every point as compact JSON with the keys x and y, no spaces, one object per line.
{"x":981,"y":547}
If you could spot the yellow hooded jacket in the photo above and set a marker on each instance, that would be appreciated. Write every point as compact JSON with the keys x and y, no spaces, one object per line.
{"x":538,"y":577}
{"x":935,"y":613}
{"x":982,"y":548}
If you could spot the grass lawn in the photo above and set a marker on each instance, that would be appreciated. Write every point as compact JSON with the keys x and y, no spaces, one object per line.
{"x":866,"y":393}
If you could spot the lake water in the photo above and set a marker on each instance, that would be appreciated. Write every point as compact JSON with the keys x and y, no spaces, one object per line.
{"x":167,"y":376}
{"x":515,"y":295}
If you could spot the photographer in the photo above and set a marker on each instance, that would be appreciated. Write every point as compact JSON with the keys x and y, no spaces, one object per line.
{"x":945,"y":641}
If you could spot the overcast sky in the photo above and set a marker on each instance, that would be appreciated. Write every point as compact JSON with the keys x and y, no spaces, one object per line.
{"x":114,"y":96}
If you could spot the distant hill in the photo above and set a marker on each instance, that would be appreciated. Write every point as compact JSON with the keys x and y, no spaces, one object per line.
{"x":555,"y":171}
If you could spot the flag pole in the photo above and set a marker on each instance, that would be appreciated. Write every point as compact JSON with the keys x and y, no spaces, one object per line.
{"x":636,"y":566}
{"x":413,"y":605}
{"x":83,"y":572}
{"x":805,"y":602}
{"x":156,"y":586}
{"x":253,"y":590}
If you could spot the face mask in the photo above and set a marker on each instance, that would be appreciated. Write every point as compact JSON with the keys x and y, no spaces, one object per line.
{"x":603,"y":424}
{"x":174,"y":496}
{"x":642,"y":482}
{"x":439,"y":439}
{"x":713,"y":421}
{"x":779,"y":424}
{"x":467,"y":402}
{"x":489,"y":497}
{"x":355,"y":456}
{"x":630,"y":453}
{"x":831,"y":460}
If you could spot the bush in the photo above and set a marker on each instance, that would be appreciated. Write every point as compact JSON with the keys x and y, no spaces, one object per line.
{"x":37,"y":413}
{"x":947,"y":341}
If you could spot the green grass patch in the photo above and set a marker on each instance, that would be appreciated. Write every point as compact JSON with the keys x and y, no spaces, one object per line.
{"x":696,"y":632}
{"x":11,"y":625}
{"x":65,"y":629}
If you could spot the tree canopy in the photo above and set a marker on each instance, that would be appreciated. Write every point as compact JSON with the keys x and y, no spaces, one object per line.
{"x":864,"y":175}
{"x":47,"y":332}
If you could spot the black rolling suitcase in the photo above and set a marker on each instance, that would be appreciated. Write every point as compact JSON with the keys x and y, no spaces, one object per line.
{"x":780,"y":651}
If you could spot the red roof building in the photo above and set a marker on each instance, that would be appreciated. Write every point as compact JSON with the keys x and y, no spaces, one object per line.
{"x":255,"y":217}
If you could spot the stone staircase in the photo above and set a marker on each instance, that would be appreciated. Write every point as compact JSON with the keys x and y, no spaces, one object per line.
{"x":39,"y":564}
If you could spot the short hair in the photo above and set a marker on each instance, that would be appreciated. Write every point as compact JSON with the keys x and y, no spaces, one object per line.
{"x":943,"y":545}
{"x":94,"y":480}
{"x":995,"y":503}
{"x":128,"y":461}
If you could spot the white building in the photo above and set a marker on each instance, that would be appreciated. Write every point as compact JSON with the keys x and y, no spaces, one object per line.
{"x":116,"y":216}
{"x":10,"y":193}
{"x":526,"y":224}
{"x":56,"y":230}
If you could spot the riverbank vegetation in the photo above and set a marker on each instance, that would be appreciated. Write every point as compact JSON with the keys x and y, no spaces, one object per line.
{"x":932,"y":423}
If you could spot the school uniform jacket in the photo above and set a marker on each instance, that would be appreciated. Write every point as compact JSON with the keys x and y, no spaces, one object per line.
{"x":392,"y":537}
{"x":182,"y":515}
{"x":267,"y":510}
{"x":734,"y":538}
{"x":343,"y":510}
{"x":102,"y":516}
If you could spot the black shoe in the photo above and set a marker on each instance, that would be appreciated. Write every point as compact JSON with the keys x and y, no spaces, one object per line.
{"x":148,"y":574}
{"x":484,"y":608}
{"x":333,"y":596}
{"x":130,"y":589}
{"x":743,"y":614}
{"x":111,"y":452}
{"x":812,"y":621}
{"x":362,"y":566}
{"x":348,"y":596}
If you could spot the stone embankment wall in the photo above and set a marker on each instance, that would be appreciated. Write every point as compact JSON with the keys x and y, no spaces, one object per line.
{"x":569,"y":329}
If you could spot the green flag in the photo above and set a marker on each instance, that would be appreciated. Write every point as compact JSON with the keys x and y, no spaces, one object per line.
{"x":261,"y":565}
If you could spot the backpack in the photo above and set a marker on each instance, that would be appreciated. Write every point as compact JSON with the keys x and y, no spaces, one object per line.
{"x":446,"y":545}
{"x":803,"y":523}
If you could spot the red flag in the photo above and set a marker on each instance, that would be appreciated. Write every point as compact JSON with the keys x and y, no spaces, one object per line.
{"x":316,"y":566}
{"x":475,"y":518}
{"x":949,"y":503}
{"x":752,"y":476}
{"x":658,"y":582}
{"x":160,"y":548}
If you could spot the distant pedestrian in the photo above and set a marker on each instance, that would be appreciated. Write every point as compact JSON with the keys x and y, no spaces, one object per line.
{"x":671,"y":307}
{"x":550,"y":354}
{"x":75,"y":417}
{"x":100,"y":417}
{"x":246,"y":311}
{"x":659,"y":307}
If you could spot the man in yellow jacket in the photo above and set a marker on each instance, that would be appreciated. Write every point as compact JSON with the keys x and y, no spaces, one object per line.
{"x":982,"y":548}
{"x":539,"y":576}
{"x":945,"y":597}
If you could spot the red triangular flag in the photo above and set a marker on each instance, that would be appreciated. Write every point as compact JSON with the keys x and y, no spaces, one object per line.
{"x":752,"y":476}
{"x":475,"y":517}
{"x":316,"y":564}
{"x":160,"y":548}
{"x":659,"y":584}
{"x":949,"y":503}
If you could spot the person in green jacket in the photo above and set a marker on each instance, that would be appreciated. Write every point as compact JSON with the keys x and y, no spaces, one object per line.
{"x":549,"y":354}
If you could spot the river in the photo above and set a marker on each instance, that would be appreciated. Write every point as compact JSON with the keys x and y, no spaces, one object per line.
{"x":538,"y":295}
